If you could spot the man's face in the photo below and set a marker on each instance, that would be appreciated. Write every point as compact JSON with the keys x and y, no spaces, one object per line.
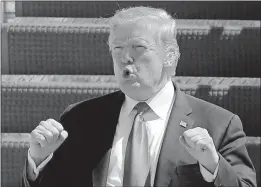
{"x":138,"y":59}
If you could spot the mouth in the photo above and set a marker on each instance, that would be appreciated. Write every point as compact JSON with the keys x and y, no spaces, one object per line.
{"x":128,"y":74}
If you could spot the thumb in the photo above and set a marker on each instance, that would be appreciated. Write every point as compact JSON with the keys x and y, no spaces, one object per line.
{"x":62,"y":137}
{"x":183,"y":142}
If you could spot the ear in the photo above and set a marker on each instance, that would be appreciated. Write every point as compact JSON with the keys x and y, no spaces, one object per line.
{"x":170,"y":68}
{"x":167,"y":70}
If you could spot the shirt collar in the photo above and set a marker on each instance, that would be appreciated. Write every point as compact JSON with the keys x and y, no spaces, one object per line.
{"x":160,"y":103}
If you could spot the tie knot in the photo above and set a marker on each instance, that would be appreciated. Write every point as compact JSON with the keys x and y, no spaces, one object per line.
{"x":142,"y":107}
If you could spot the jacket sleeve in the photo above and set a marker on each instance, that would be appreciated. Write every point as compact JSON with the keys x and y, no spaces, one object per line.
{"x":26,"y":182}
{"x":235,"y":166}
{"x":48,"y":176}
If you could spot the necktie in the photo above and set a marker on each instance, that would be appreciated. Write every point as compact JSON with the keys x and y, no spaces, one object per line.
{"x":137,"y":162}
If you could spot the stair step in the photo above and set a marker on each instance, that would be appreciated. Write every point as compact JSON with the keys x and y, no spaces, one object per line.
{"x":179,"y":9}
{"x":214,"y":48}
{"x":14,"y":148}
{"x":29,"y":99}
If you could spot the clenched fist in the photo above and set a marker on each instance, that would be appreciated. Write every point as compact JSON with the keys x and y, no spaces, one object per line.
{"x":200,"y":145}
{"x":45,"y":139}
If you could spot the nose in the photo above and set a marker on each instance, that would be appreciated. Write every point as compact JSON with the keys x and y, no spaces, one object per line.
{"x":127,"y":57}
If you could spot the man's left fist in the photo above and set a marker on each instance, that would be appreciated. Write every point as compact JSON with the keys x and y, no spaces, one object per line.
{"x":200,"y":145}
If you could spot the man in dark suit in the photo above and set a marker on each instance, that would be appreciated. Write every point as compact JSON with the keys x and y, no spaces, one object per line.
{"x":147,"y":134}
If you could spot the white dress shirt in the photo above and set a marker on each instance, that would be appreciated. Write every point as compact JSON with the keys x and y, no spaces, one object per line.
{"x":156,"y":122}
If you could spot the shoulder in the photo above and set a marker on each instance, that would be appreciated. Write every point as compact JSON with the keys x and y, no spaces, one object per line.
{"x":209,"y":115}
{"x":91,"y":105}
{"x":215,"y":119}
{"x":205,"y":107}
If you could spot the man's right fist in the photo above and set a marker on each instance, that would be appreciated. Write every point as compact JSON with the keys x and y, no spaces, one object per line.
{"x":45,"y":139}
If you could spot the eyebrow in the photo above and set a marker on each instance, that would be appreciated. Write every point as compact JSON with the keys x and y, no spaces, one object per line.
{"x":134,"y":38}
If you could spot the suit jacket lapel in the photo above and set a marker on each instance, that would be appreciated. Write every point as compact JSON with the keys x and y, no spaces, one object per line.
{"x":172,"y":153}
{"x":100,"y":173}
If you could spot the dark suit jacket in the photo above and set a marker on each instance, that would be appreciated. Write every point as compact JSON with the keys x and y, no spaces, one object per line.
{"x":83,"y":159}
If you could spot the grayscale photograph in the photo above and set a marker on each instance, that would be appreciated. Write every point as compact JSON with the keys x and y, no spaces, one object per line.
{"x":130,"y":93}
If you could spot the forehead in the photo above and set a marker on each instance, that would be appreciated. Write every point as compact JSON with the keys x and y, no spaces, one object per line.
{"x":141,"y":30}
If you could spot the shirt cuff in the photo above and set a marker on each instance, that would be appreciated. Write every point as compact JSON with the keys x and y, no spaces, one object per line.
{"x":207,"y":175}
{"x":33,"y":170}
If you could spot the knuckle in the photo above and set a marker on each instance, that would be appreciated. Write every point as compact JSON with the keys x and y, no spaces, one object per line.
{"x":60,"y":126}
{"x":53,"y":130}
{"x":56,"y":134}
{"x":49,"y":127}
{"x":33,"y":134}
{"x":42,"y":135}
{"x":41,"y":128}
{"x":198,"y":137}
{"x":42,"y":122}
{"x":186,"y":133}
{"x":34,"y":131}
{"x":49,"y":134}
{"x":200,"y":142}
{"x":46,"y":133}
{"x":50,"y":121}
{"x":55,"y":127}
{"x":41,"y":138}
{"x":192,"y":140}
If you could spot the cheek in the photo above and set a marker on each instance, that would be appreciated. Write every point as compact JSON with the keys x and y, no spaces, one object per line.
{"x":151,"y":64}
{"x":116,"y":66}
{"x":116,"y":61}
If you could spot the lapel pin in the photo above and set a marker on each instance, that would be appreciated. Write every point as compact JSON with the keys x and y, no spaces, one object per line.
{"x":183,"y":124}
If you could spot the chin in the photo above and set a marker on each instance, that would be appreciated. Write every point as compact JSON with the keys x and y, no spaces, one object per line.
{"x":135,"y":96}
{"x":135,"y":92}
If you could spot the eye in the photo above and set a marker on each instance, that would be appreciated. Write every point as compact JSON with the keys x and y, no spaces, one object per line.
{"x":140,"y":46}
{"x":117,"y":48}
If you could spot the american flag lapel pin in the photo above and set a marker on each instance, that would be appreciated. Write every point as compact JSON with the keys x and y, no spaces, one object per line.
{"x":183,"y":124}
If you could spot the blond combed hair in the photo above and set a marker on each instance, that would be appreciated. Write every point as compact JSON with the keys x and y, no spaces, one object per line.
{"x":166,"y":33}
